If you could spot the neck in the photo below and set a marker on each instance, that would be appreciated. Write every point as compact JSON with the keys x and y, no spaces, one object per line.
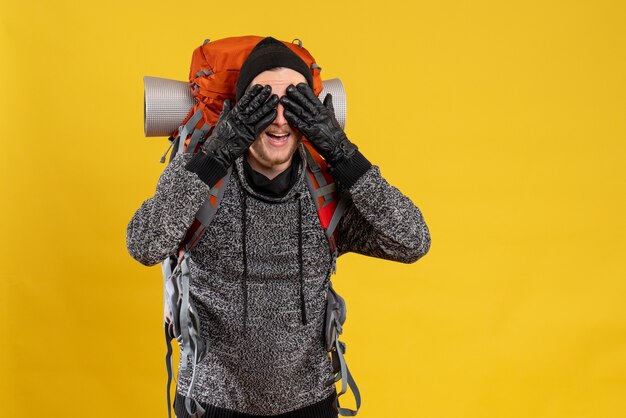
{"x":269,"y":172}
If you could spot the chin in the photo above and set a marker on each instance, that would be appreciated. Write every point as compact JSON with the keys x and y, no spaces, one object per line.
{"x":268,"y":157}
{"x":274,"y":159}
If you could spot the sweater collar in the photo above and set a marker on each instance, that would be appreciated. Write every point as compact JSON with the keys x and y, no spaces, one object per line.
{"x":258,"y":188}
{"x":279,"y":185}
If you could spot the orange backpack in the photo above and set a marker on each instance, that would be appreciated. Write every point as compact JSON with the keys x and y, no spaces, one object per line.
{"x":212,"y":77}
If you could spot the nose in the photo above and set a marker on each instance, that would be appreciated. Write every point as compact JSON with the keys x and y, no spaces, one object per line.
{"x":280,"y":117}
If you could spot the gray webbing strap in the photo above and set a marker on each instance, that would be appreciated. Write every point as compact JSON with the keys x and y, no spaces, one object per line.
{"x":184,"y":311}
{"x":199,"y":411}
{"x":187,"y":128}
{"x":192,"y":343}
{"x":309,"y":183}
{"x":339,"y":209}
{"x":342,"y":363}
{"x":315,"y":168}
{"x":346,"y":380}
{"x":196,"y":136}
{"x":206,"y":213}
{"x":171,"y":301}
{"x":166,"y":269}
{"x":168,"y":293}
{"x":182,"y":135}
{"x":334,"y":221}
{"x":326,"y":190}
{"x":191,"y":123}
{"x":201,"y":72}
{"x":168,"y":366}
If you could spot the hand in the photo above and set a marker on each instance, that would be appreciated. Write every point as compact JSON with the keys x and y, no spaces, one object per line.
{"x":317,"y":122}
{"x":239,"y":127}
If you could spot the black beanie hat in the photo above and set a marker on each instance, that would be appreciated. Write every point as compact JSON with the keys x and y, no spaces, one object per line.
{"x":267,"y":54}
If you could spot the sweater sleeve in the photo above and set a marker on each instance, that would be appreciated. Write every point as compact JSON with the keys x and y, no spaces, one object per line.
{"x":380,"y":221}
{"x":160,"y":224}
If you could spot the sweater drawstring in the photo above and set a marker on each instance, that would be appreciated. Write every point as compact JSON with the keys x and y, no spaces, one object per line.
{"x":301,"y":261}
{"x":244,"y":284}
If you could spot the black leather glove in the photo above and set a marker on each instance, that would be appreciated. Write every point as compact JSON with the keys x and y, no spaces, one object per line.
{"x":239,"y":127}
{"x":236,"y":129}
{"x":317,"y":122}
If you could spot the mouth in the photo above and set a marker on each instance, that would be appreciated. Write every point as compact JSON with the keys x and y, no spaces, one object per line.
{"x":277,"y":139}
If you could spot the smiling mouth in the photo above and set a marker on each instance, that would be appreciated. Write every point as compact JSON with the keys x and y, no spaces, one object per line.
{"x":277,"y":136}
{"x":278,"y":140}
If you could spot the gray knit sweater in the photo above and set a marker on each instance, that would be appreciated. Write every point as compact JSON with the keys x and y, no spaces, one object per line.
{"x":260,"y":274}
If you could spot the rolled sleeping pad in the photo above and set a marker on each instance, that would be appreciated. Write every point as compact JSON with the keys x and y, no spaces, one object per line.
{"x":166,"y":103}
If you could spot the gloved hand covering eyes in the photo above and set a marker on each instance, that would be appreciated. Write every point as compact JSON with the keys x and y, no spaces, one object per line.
{"x":238,"y":128}
{"x":317,"y":122}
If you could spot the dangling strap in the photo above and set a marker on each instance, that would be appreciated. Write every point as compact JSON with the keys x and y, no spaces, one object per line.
{"x":184,"y":311}
{"x":195,"y":410}
{"x":346,"y":379}
{"x":198,"y":348}
{"x":168,"y":292}
{"x":168,"y":366}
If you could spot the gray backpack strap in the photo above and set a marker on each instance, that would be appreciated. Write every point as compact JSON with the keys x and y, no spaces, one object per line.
{"x":169,"y":304}
{"x":186,"y":129}
{"x":197,"y":136}
{"x":194,"y":409}
{"x":181,"y":319}
{"x":339,"y":211}
{"x":346,"y":380}
{"x":168,"y":366}
{"x":207,"y":211}
{"x":325,"y":190}
{"x":335,"y":317}
{"x":332,"y":226}
{"x":185,"y":322}
{"x":335,"y":304}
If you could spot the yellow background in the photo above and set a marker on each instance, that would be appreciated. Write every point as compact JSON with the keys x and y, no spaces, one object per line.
{"x":503,"y":121}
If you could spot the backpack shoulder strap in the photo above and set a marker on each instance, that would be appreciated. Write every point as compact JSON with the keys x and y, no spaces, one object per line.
{"x":180,"y":316}
{"x":206,"y":213}
{"x":323,"y":191}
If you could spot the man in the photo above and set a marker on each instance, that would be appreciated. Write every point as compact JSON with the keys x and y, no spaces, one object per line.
{"x":261,"y":270}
